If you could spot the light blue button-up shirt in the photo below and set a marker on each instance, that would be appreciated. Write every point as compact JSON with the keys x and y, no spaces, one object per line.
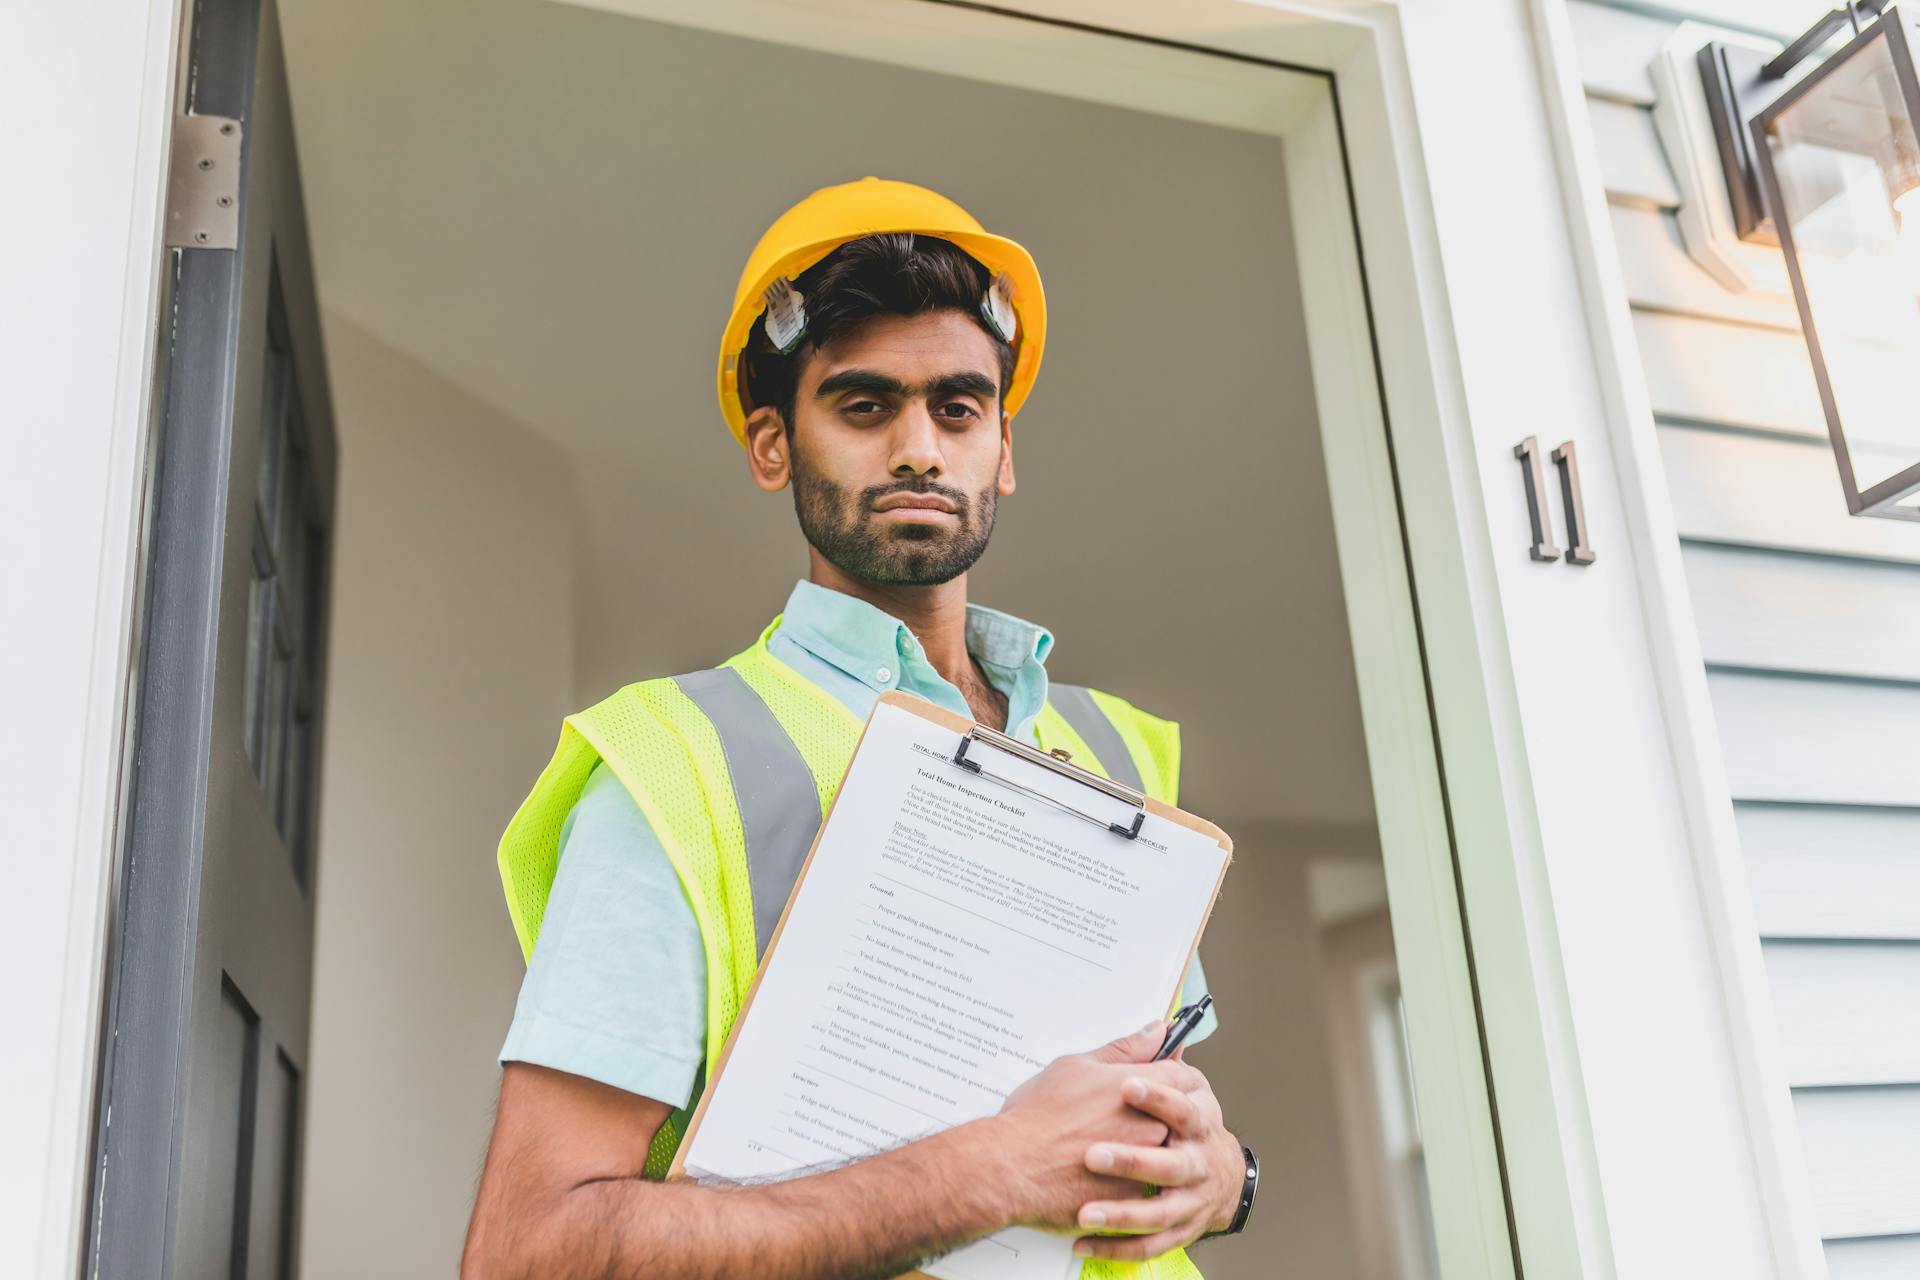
{"x":616,"y":987}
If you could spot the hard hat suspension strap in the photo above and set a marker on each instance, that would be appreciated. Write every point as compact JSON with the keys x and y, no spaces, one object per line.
{"x":786,"y":315}
{"x":997,"y":305}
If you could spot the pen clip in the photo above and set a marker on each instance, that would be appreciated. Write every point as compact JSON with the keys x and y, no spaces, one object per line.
{"x":1066,"y":769}
{"x":1182,"y":1026}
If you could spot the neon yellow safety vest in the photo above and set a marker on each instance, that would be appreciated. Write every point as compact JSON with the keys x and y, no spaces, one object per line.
{"x":734,"y":768}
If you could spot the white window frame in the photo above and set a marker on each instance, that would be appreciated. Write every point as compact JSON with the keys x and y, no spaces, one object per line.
{"x":1615,"y":968}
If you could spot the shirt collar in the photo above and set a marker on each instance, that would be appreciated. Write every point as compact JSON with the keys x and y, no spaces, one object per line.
{"x":1001,"y":640}
{"x":862,"y":639}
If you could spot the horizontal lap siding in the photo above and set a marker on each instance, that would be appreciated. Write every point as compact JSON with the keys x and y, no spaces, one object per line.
{"x":1848,"y":617}
{"x":1824,"y":991}
{"x":1885,"y":1258}
{"x":1863,"y":1154}
{"x":1833,"y":871}
{"x":1652,"y":256}
{"x":1630,"y":161}
{"x":1777,"y":492}
{"x":1810,"y":625}
{"x":1804,"y":739}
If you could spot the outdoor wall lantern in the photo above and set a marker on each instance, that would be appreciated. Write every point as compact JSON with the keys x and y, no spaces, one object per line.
{"x":1822,"y":156}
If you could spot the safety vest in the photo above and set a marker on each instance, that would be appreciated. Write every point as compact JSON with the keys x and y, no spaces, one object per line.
{"x":734,"y":768}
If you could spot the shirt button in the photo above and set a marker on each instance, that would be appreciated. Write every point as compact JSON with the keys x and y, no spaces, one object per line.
{"x":883,"y":675}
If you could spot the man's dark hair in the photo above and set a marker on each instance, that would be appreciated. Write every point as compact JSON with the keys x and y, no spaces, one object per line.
{"x":894,"y":273}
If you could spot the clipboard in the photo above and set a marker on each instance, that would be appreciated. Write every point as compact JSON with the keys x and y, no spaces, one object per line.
{"x":975,"y":748}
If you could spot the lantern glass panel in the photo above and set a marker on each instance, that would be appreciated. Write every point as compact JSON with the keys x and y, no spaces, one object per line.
{"x":1845,"y":161}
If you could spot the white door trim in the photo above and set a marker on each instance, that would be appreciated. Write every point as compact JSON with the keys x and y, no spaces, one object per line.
{"x":1443,"y":1023}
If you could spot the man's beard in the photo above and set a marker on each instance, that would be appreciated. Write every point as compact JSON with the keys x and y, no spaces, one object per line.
{"x":911,"y":554}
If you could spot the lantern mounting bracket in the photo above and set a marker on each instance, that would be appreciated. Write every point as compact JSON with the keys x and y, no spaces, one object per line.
{"x":1740,"y":82}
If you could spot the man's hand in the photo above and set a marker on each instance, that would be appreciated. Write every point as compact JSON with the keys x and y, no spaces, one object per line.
{"x":1198,"y":1174}
{"x":1077,"y":1105}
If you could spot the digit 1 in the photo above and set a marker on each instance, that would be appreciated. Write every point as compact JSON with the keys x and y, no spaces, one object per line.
{"x":1576,"y":507}
{"x":1528,"y":451}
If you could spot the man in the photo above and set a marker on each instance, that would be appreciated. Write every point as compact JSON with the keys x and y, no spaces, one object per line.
{"x":880,"y":344}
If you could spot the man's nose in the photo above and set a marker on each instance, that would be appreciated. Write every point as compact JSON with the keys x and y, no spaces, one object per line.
{"x":916,"y":442}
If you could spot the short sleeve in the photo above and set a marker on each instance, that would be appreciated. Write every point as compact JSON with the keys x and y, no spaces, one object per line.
{"x":616,"y":987}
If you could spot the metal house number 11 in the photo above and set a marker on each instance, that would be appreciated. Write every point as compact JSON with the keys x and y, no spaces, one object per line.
{"x":1534,"y":471}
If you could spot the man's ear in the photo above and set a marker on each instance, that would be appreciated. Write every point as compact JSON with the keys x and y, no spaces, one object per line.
{"x":1005,"y":485}
{"x":769,"y":453}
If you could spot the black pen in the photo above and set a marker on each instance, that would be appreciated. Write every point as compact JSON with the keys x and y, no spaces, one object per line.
{"x":1183,"y":1024}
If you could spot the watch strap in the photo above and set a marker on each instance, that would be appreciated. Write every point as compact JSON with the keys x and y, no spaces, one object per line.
{"x":1248,"y":1185}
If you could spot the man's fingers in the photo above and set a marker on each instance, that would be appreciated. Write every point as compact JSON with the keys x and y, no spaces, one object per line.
{"x":1136,"y":1046}
{"x":1181,"y":1112}
{"x":1176,"y":1166}
{"x":1138,"y":1248}
{"x":1142,"y":1215}
{"x":1137,"y":1129}
{"x":1176,"y":1074}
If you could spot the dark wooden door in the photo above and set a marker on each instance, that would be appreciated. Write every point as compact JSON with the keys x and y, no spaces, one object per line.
{"x":199,"y":1134}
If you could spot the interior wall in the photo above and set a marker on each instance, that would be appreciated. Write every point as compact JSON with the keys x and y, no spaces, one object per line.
{"x":450,"y":666}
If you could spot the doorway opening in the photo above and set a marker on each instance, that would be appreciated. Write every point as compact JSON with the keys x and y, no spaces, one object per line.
{"x":526,"y":220}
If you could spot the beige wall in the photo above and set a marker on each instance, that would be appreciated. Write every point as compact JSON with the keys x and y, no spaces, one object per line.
{"x":449,"y":668}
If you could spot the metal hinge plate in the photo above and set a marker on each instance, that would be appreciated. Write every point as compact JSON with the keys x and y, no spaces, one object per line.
{"x":203,"y":183}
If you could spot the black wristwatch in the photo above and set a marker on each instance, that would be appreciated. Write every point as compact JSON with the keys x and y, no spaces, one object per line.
{"x":1248,"y":1186}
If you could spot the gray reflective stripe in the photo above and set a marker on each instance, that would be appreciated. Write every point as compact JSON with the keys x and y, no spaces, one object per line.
{"x":1077,"y":707}
{"x":779,"y":804}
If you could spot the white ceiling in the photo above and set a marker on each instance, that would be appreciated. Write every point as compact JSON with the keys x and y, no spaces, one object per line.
{"x":549,"y":206}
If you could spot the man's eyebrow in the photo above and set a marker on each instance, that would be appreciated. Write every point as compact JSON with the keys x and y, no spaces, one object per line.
{"x":860,"y":380}
{"x":969,"y":382}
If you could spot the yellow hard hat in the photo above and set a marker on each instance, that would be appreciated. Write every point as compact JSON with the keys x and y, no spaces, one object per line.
{"x":832,"y":216}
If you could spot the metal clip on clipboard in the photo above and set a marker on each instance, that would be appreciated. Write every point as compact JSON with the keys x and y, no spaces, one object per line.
{"x":1059,"y":762}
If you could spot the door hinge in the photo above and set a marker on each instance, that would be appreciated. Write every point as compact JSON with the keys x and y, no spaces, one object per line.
{"x":203,"y":183}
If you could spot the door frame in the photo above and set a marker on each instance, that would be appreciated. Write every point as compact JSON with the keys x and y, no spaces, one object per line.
{"x":1464,"y":151}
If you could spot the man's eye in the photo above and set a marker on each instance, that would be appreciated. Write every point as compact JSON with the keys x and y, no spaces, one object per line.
{"x":958,"y":412}
{"x":868,"y":407}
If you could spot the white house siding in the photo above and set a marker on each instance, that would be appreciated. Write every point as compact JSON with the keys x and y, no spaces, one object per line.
{"x":1810,"y":625}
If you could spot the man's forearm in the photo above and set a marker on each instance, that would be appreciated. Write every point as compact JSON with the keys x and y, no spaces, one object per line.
{"x":875,"y":1218}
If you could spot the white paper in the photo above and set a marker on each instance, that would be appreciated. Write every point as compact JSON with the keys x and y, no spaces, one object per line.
{"x":951,"y":937}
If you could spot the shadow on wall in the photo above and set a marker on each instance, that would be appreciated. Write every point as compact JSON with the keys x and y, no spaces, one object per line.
{"x":450,"y":669}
